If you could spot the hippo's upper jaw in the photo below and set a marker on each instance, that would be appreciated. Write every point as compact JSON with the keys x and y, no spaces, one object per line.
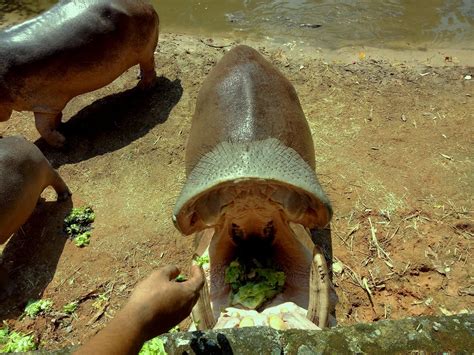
{"x":252,"y":200}
{"x":267,"y":166}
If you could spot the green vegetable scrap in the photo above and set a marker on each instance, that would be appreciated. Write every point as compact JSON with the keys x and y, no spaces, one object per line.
{"x":83,"y":239}
{"x":154,"y":346}
{"x":70,"y":308}
{"x":78,"y":225}
{"x":15,"y":341}
{"x":202,"y":260}
{"x":181,"y":278}
{"x":33,"y":308}
{"x":252,"y":285}
{"x":175,"y":329}
{"x":4,"y":334}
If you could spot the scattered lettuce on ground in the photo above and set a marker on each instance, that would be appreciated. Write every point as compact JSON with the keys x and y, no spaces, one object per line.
{"x":252,"y":284}
{"x":15,"y":341}
{"x":33,"y":308}
{"x":77,"y":225}
{"x":83,"y":239}
{"x":4,"y":334}
{"x":71,"y":307}
{"x":154,"y":346}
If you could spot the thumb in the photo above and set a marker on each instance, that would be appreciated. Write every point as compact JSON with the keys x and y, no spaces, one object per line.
{"x":170,"y":272}
{"x":196,"y":281}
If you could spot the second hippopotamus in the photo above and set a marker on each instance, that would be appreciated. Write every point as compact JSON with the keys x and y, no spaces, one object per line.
{"x":73,"y":48}
{"x":24,"y":174}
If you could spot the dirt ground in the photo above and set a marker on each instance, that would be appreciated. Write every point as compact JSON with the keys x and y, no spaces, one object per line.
{"x":393,"y":135}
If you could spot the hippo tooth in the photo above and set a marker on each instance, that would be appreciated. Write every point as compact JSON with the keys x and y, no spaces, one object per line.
{"x":298,"y":321}
{"x":202,"y":311}
{"x":277,"y":323}
{"x":318,"y":308}
{"x":246,"y":322}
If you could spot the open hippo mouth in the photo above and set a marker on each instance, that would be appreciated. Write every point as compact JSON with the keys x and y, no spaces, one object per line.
{"x":257,"y":223}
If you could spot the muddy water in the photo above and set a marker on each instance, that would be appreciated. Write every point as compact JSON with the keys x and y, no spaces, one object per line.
{"x":325,"y":23}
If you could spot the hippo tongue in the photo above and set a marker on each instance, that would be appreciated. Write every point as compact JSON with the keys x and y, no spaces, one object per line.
{"x":267,"y":161}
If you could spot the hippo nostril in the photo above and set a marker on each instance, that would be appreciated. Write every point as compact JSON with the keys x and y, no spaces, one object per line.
{"x":236,"y":234}
{"x":269,"y":230}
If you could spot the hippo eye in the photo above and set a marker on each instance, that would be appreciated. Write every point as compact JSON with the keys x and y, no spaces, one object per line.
{"x":269,"y":230}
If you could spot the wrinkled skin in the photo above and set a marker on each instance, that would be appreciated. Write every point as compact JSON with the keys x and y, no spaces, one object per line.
{"x":250,"y":173}
{"x":75,"y":47}
{"x":24,"y":174}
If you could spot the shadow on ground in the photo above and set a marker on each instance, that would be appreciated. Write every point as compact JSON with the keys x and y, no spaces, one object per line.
{"x":113,"y":122}
{"x":32,"y":255}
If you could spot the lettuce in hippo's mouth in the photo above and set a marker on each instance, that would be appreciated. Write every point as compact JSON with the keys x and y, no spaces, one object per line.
{"x":253,"y":283}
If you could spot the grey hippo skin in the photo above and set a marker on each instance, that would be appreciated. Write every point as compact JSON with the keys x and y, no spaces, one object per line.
{"x":251,"y":188}
{"x":75,"y":47}
{"x":24,"y":174}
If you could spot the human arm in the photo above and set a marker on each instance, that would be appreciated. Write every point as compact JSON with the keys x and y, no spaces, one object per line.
{"x":156,"y":305}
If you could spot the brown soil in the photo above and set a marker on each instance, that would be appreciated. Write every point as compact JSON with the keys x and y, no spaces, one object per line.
{"x":393,"y":140}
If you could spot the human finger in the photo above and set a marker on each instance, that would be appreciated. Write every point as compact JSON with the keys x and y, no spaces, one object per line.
{"x":170,"y":272}
{"x":196,"y":281}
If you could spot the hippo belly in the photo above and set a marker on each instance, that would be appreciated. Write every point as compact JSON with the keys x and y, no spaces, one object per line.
{"x":252,"y":193}
{"x":73,"y":48}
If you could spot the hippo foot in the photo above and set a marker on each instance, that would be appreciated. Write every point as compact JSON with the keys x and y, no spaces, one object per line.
{"x":55,"y":139}
{"x":63,"y":196}
{"x":147,"y":81}
{"x":6,"y":286}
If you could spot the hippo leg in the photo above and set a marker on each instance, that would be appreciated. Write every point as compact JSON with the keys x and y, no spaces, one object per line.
{"x":147,"y":72}
{"x":60,"y":186}
{"x":5,"y":113}
{"x":46,"y":124}
{"x":6,"y":286}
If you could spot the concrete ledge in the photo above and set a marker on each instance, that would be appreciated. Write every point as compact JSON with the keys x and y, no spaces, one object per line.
{"x":432,"y":334}
{"x":423,"y":334}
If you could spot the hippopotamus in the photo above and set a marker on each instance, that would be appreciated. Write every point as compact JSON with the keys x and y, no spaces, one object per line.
{"x":75,"y":47}
{"x":251,"y":190}
{"x":24,"y":174}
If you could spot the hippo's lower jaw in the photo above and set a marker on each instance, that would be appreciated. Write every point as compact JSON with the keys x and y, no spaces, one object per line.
{"x":304,"y":302}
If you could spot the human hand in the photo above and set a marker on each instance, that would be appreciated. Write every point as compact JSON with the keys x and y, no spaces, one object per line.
{"x":159,"y":302}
